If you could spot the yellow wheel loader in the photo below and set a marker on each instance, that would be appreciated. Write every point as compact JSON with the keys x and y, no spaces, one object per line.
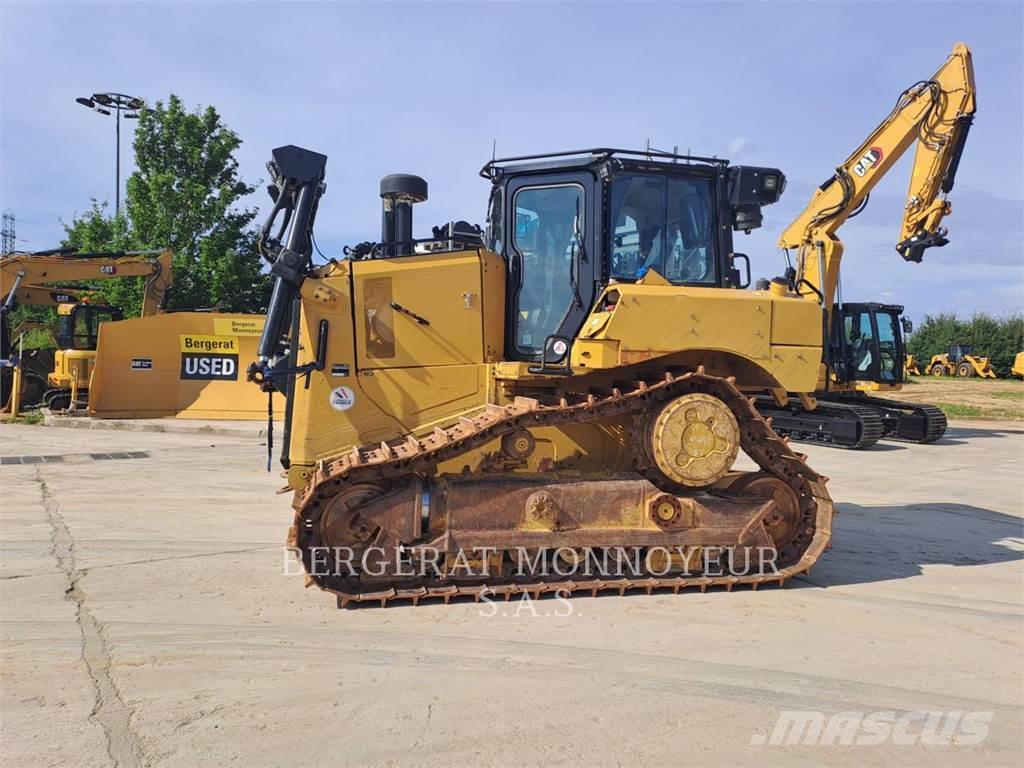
{"x":39,"y":279}
{"x":959,"y":360}
{"x":910,"y":367}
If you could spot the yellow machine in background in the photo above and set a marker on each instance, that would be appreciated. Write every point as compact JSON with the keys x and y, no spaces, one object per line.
{"x":40,"y":279}
{"x":866,"y":352}
{"x":910,"y":366}
{"x":178,"y":364}
{"x":1018,"y":365}
{"x":960,"y":361}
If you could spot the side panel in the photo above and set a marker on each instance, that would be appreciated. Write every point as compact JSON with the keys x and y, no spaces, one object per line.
{"x":666,"y":319}
{"x":780,"y":336}
{"x":419,"y":311}
{"x":796,"y":323}
{"x":386,"y":374}
{"x":183,"y":364}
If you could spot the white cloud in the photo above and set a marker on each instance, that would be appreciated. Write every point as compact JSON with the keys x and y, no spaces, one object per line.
{"x":737,"y":145}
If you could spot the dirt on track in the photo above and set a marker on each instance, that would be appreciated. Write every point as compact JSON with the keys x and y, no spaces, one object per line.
{"x":967,"y":398}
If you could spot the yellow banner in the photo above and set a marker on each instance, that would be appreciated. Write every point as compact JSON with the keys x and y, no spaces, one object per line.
{"x":209,"y":345}
{"x":239,"y":326}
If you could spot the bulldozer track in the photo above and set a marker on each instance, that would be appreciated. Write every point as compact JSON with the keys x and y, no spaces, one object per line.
{"x":387,"y":466}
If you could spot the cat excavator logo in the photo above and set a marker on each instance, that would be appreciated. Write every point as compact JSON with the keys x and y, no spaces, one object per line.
{"x":868,"y":159}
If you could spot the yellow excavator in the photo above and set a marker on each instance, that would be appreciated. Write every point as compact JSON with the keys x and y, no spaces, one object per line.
{"x":554,"y":404}
{"x":866,"y":352}
{"x":41,"y":279}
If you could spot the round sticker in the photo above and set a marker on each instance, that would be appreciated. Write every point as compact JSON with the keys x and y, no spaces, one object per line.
{"x":342,"y":399}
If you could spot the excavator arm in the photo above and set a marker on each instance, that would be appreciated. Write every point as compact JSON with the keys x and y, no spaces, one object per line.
{"x":936,"y":115}
{"x":24,"y":277}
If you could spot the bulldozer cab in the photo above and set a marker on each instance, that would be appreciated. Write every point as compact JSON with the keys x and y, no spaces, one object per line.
{"x":79,"y":324}
{"x":569,"y":224}
{"x":867,"y":343}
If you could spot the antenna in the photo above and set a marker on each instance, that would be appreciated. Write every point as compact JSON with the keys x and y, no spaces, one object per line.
{"x":494,"y":149}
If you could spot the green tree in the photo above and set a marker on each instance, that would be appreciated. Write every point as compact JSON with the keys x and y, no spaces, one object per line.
{"x":185,"y":194}
{"x":95,"y":230}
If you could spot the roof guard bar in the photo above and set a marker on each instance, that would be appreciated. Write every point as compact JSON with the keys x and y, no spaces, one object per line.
{"x":603,"y":153}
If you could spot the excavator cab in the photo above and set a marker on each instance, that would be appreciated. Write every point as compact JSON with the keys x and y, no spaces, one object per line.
{"x":79,"y":324}
{"x":867,"y":344}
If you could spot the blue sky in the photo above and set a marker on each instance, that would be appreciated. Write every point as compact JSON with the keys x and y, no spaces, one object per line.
{"x":425,"y":88}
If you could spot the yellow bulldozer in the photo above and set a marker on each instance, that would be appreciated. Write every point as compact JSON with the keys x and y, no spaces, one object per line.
{"x":959,"y":360}
{"x":555,"y":403}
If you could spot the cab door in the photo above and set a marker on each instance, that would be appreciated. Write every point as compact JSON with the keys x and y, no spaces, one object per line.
{"x":551,"y":248}
{"x":870,"y":345}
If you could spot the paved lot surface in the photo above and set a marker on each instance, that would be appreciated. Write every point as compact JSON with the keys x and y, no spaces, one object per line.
{"x":146,"y":621}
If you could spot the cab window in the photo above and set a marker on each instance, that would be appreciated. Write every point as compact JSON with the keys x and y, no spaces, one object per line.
{"x":859,"y":345}
{"x":662,"y":223}
{"x":546,"y":238}
{"x":80,"y":329}
{"x":888,"y":354}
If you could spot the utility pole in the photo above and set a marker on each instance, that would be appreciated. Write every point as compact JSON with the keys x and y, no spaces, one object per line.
{"x":118,"y":102}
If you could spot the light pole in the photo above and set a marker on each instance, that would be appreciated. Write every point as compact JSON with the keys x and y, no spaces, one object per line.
{"x":118,"y":102}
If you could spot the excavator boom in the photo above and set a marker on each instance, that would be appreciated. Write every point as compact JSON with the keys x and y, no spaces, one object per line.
{"x":935,"y":114}
{"x":25,"y":276}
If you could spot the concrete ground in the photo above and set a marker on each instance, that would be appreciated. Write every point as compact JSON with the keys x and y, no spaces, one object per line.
{"x":146,"y":620}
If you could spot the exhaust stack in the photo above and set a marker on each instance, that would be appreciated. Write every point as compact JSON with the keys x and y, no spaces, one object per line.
{"x":399,"y":192}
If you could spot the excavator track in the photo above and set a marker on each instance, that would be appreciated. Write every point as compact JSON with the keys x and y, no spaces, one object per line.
{"x":840,"y":424}
{"x":904,"y":421}
{"x":353,"y":491}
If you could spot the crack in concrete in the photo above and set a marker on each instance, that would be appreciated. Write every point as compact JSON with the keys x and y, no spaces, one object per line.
{"x":109,"y":708}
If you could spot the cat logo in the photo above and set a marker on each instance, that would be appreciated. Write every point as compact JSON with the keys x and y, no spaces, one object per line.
{"x":867,"y":160}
